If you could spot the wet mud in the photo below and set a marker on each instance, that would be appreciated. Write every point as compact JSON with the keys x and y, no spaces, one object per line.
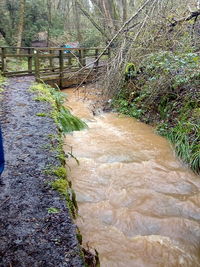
{"x":138,"y":204}
{"x":29,"y":234}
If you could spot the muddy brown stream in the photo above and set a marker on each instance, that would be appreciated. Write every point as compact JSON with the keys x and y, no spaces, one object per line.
{"x":138,"y":204}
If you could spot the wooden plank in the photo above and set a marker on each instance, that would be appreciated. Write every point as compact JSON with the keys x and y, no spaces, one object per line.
{"x":17,"y":47}
{"x":20,"y":55}
{"x":70,"y":82}
{"x":48,"y":55}
{"x":18,"y":74}
{"x":53,"y":48}
{"x":56,"y":49}
{"x":15,"y":72}
{"x":66,"y":48}
{"x":3,"y":60}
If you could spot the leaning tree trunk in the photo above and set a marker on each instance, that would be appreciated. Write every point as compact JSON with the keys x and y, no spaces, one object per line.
{"x":91,"y":19}
{"x":21,"y":23}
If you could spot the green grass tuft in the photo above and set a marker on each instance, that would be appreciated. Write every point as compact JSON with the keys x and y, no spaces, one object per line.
{"x":41,"y":114}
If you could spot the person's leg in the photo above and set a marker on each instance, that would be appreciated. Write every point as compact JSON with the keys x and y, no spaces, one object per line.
{"x":1,"y":154}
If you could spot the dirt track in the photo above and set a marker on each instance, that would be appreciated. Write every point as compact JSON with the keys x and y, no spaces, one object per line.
{"x":29,"y":235}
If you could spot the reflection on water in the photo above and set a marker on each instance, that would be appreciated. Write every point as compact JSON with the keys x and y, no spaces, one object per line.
{"x":138,"y":205}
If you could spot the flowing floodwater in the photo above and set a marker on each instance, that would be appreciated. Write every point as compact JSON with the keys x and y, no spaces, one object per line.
{"x":138,"y":205}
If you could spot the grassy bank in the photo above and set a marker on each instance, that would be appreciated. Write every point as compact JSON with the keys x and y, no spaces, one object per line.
{"x":164,"y":91}
{"x":66,"y":123}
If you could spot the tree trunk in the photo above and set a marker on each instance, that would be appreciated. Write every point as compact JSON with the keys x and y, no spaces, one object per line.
{"x":21,"y":23}
{"x":124,"y":6}
{"x":67,"y":18}
{"x":77,"y":22}
{"x":198,"y":4}
{"x":49,"y":9}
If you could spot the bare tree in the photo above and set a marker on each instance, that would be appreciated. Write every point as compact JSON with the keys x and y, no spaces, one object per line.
{"x":124,"y":6}
{"x":21,"y":23}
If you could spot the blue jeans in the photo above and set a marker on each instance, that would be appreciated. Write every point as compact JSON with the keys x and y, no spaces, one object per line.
{"x":1,"y":154}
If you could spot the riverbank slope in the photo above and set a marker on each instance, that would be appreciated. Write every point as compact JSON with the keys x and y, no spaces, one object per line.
{"x":164,"y":90}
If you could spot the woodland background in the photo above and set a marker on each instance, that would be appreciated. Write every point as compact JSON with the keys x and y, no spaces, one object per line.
{"x":154,"y":71}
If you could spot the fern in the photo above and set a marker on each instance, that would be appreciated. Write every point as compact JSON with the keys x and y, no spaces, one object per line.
{"x":69,"y":122}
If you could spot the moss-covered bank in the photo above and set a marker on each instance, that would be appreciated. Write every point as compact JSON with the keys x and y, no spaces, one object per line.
{"x":164,"y":91}
{"x":66,"y":122}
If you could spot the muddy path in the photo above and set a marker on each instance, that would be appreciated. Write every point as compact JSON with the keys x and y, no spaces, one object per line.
{"x":29,"y":234}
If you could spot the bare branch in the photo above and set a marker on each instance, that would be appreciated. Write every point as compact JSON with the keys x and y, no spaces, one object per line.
{"x":193,"y":15}
{"x":87,"y":14}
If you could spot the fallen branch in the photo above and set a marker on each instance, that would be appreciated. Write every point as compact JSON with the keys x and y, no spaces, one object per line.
{"x":83,"y":80}
{"x":121,"y":30}
{"x":86,"y":13}
{"x":193,"y":15}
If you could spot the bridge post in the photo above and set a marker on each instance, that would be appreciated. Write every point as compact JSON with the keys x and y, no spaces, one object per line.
{"x":96,"y":57}
{"x":51,"y":61}
{"x":37,"y":65}
{"x":61,"y":63}
{"x":30,"y":60}
{"x":81,"y":58}
{"x":69,"y":57}
{"x":3,"y":59}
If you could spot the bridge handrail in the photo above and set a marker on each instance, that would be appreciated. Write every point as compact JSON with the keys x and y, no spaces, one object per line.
{"x":35,"y":55}
{"x":53,"y":48}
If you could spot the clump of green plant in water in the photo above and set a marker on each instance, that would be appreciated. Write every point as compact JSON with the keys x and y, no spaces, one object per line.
{"x":69,"y":122}
{"x":65,"y":120}
{"x":185,"y":137}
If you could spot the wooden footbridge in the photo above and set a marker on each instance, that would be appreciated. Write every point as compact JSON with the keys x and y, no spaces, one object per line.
{"x":64,"y":67}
